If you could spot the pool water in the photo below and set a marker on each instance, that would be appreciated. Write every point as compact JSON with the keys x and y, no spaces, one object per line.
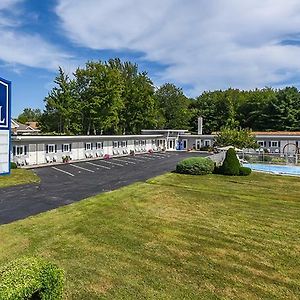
{"x":276,"y":169}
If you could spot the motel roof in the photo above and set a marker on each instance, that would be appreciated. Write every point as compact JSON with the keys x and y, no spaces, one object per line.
{"x":82,"y":137}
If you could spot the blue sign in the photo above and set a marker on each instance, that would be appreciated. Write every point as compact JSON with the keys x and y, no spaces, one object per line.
{"x":5,"y":120}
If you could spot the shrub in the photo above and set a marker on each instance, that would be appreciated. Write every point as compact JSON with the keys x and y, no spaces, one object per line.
{"x":266,"y":158}
{"x":244,"y":171}
{"x":207,"y":148}
{"x":195,"y":166}
{"x":231,"y":165}
{"x":13,"y":165}
{"x":31,"y":278}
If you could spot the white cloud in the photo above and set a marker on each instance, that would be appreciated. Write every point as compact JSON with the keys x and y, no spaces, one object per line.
{"x":207,"y":44}
{"x":18,"y":48}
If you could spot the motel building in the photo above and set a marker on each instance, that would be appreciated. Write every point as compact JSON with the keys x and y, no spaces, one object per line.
{"x":34,"y":150}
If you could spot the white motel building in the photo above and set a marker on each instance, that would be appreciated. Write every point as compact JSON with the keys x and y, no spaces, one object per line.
{"x":29,"y":148}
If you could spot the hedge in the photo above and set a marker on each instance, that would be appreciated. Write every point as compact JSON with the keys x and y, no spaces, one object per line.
{"x":244,"y":171}
{"x":195,"y":166}
{"x":31,"y":278}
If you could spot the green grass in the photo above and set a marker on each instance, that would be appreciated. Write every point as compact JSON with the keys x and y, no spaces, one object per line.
{"x":18,"y":176}
{"x":174,"y":237}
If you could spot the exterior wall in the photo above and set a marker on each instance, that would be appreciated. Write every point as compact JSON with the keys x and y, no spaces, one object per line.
{"x":197,"y":141}
{"x":276,"y":144}
{"x":53,"y":150}
{"x":36,"y":150}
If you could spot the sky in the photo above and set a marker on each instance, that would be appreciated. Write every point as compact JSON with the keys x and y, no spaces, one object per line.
{"x":196,"y":44}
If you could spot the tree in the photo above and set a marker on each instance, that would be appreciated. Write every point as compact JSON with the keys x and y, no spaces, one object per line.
{"x":29,"y":115}
{"x":99,"y":92}
{"x":60,"y":106}
{"x":242,"y":138}
{"x":174,"y":106}
{"x":139,"y":109}
{"x":218,"y":109}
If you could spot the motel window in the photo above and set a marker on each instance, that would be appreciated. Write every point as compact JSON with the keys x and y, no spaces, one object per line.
{"x":153,"y":142}
{"x":19,"y":150}
{"x":274,"y":144}
{"x":88,"y":146}
{"x":124,"y":143}
{"x":66,"y":147}
{"x":143,"y":142}
{"x":51,"y":148}
{"x":115,"y":144}
{"x":99,"y":145}
{"x":136,"y":143}
{"x":207,"y":143}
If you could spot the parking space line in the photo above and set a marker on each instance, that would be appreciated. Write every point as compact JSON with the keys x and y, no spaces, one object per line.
{"x":125,"y":161}
{"x":132,"y":159}
{"x":163,"y":155}
{"x":147,"y":157}
{"x":68,"y":173}
{"x":96,"y":165}
{"x":81,"y":168}
{"x":112,"y":163}
{"x":157,"y":156}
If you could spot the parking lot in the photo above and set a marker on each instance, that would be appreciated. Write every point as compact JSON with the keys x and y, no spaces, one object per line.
{"x":67,"y":183}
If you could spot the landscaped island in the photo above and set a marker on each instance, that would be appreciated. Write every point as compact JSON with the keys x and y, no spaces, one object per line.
{"x":175,"y":236}
{"x":17,"y":177}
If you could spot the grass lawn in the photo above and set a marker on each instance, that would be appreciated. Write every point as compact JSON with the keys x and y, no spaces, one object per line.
{"x":174,"y":237}
{"x":18,"y":176}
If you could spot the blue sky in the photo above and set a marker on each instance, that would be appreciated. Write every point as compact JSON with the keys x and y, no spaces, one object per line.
{"x":196,"y":44}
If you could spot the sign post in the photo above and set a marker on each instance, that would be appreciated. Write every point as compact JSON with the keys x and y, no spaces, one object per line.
{"x":5,"y":123}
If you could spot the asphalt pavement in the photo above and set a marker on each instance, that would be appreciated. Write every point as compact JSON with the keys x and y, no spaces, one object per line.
{"x":67,"y":183}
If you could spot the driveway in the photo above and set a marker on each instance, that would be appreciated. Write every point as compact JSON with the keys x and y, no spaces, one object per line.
{"x":64,"y":184}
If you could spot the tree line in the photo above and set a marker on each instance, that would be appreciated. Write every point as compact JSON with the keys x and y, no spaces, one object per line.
{"x":115,"y":97}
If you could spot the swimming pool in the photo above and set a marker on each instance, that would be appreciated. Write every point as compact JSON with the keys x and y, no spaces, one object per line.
{"x":276,"y":169}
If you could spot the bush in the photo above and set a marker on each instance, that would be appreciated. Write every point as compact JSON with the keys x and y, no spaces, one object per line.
{"x":13,"y":165}
{"x":207,"y":148}
{"x":31,"y":278}
{"x":244,"y":171}
{"x":231,"y":165}
{"x":266,"y":158}
{"x":195,"y":166}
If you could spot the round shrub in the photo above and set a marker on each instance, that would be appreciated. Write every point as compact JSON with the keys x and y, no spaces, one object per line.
{"x":231,"y":165}
{"x":195,"y":166}
{"x":13,"y":165}
{"x":31,"y":278}
{"x":244,"y":171}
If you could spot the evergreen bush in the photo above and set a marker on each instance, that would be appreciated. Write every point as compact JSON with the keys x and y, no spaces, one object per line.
{"x":231,"y":165}
{"x":195,"y":166}
{"x":13,"y":165}
{"x":31,"y":278}
{"x":244,"y":171}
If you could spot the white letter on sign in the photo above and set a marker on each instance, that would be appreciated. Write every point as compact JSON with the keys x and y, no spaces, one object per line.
{"x":2,"y":121}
